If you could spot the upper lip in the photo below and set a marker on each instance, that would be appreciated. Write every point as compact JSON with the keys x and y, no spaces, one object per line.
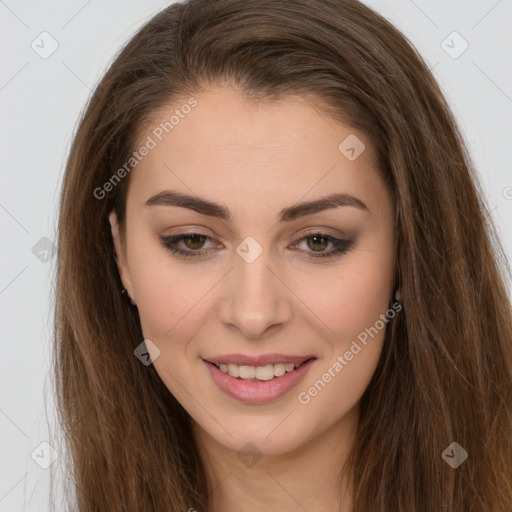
{"x":262,"y":360}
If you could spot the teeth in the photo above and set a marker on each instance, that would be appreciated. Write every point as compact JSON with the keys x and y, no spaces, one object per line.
{"x":234,"y":370}
{"x":267,"y":372}
{"x":264,"y":372}
{"x":280,"y":369}
{"x":247,"y":372}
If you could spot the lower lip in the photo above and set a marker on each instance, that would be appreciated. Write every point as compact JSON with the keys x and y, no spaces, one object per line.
{"x":258,"y":391}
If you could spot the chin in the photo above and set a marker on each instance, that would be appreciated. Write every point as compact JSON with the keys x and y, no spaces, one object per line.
{"x":267,"y":435}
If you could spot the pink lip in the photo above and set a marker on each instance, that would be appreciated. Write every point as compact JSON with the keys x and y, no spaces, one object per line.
{"x":255,"y":391}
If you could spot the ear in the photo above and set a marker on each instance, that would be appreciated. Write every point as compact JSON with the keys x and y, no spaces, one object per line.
{"x":122,"y":265}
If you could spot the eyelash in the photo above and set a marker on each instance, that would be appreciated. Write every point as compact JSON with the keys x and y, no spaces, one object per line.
{"x":341,"y":246}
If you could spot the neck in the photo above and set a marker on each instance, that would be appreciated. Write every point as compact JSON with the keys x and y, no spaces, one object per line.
{"x":307,"y":478}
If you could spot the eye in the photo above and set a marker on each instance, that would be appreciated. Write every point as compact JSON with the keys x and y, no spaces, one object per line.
{"x":192,"y":245}
{"x":192,"y":241}
{"x":318,"y":242}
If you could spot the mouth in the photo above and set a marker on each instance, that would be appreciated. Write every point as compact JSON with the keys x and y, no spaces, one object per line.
{"x":257,"y":380}
{"x":253,"y":373}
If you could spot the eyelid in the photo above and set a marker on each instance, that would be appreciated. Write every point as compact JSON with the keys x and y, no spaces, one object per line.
{"x":327,"y":232}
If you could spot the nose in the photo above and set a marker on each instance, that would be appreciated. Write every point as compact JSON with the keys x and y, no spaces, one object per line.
{"x":256,"y":300}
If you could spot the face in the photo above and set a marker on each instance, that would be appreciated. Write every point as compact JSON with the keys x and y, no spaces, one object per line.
{"x":266,"y":308}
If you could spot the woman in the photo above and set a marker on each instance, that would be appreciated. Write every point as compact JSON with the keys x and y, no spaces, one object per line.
{"x":278,"y":284}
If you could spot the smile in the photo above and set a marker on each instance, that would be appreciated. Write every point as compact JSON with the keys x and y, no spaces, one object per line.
{"x":266,"y":379}
{"x":267,"y":372}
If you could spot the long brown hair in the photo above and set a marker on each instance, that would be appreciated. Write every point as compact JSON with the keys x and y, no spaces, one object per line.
{"x":445,"y":373}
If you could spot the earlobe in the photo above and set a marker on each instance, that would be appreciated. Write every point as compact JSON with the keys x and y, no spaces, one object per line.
{"x":119,"y":254}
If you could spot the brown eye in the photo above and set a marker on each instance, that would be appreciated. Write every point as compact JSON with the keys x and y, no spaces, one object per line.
{"x":187,"y":245}
{"x":197,"y":241}
{"x":319,"y":243}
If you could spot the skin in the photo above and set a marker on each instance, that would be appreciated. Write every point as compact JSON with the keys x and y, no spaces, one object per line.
{"x":256,"y":160}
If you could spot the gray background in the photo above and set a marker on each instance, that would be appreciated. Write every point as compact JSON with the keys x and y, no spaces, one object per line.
{"x":40,"y":100}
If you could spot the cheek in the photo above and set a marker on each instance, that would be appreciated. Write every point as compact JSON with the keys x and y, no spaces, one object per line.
{"x":356,"y":307}
{"x":359,"y":319}
{"x":170,"y":303}
{"x":167,"y":291}
{"x":351,"y":297}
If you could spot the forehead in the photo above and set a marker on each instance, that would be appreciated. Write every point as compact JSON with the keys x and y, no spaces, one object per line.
{"x":227,"y":145}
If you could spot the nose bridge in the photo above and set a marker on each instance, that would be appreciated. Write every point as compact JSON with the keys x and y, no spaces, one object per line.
{"x":255,"y":299}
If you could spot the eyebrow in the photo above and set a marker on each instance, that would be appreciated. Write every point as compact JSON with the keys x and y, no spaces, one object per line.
{"x":288,"y":214}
